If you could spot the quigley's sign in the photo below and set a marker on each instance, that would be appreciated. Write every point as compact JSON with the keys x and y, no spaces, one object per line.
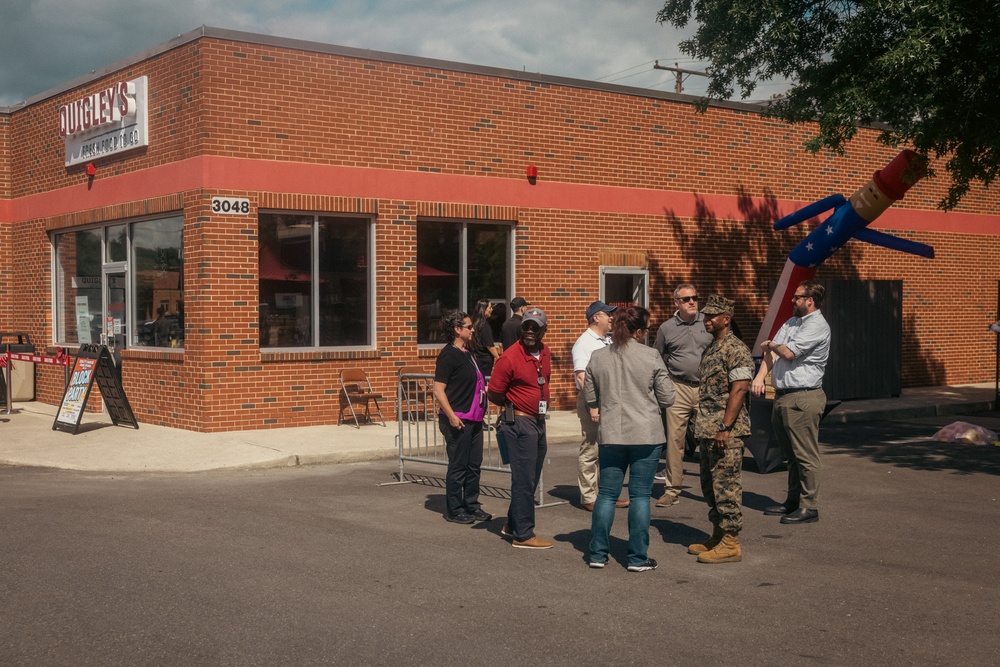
{"x":110,"y":121}
{"x":100,"y":109}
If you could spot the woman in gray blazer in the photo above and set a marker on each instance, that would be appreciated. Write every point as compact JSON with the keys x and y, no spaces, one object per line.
{"x":626,"y":386}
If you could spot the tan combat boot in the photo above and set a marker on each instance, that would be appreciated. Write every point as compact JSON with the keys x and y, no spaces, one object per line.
{"x":709,"y":544}
{"x":726,"y":551}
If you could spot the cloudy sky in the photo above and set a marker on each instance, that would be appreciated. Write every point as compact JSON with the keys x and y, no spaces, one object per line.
{"x":44,"y":43}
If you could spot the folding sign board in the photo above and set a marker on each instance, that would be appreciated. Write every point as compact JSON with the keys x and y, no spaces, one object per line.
{"x":93,"y":363}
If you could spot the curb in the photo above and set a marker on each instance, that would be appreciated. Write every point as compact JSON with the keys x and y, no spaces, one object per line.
{"x":849,"y":416}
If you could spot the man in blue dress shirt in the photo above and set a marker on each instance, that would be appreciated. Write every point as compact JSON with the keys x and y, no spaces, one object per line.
{"x":796,"y":359}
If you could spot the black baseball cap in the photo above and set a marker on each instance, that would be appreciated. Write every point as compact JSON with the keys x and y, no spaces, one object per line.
{"x":518,"y":302}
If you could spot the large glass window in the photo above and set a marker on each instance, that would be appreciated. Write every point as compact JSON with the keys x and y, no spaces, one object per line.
{"x":458,"y":263}
{"x":157,"y":269}
{"x":79,"y":301}
{"x":315,"y":281}
{"x":124,"y":280}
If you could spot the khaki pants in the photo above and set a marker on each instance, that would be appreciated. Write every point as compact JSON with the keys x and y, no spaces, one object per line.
{"x":587,"y":466}
{"x":678,"y":416}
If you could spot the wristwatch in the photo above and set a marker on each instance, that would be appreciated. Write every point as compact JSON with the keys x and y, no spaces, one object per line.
{"x":727,"y":428}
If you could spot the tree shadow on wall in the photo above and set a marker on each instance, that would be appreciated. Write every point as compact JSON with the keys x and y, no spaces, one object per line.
{"x":743,"y":259}
{"x":739,"y":259}
{"x":924,"y":369}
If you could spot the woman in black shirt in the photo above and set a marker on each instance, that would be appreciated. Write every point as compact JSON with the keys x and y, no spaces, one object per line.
{"x":483,"y":345}
{"x":460,"y":391}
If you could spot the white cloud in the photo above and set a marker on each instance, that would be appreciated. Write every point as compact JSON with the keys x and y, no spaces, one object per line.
{"x":44,"y":43}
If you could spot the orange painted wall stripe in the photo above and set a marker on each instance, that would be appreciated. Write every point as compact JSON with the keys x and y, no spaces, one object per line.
{"x":222,"y":173}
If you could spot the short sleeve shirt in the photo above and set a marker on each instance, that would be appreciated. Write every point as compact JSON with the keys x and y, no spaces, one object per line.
{"x":456,"y":370}
{"x":808,"y":338}
{"x":681,"y":345}
{"x":724,"y":362}
{"x":585,"y":346}
{"x":483,"y":356}
{"x":516,"y":374}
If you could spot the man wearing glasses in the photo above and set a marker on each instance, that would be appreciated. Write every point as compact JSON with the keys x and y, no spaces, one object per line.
{"x":796,"y":359}
{"x":520,"y":383}
{"x":681,"y":340}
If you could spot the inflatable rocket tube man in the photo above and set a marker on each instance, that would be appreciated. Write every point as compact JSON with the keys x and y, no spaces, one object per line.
{"x":850,"y":219}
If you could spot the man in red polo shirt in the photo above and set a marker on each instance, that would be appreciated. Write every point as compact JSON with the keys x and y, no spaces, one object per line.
{"x":520,"y":383}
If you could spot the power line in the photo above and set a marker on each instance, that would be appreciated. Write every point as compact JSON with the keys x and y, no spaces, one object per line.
{"x":645,"y":64}
{"x":627,"y":69}
{"x":680,"y":72}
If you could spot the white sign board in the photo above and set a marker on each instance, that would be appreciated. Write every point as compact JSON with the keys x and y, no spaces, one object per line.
{"x":110,"y":121}
{"x":231,"y":205}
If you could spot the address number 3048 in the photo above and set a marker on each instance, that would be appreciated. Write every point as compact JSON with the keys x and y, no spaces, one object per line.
{"x":230,"y":205}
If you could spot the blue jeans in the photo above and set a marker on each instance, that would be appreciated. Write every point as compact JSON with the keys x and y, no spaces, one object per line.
{"x":640,"y":461}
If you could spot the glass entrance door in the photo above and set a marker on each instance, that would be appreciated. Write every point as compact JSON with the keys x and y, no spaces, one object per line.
{"x":115,"y":324}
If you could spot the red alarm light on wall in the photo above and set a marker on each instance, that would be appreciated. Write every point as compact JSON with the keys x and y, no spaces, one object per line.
{"x":91,"y":170}
{"x":532,"y":172}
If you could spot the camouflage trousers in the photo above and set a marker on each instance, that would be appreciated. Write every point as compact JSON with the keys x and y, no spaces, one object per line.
{"x":722,"y":483}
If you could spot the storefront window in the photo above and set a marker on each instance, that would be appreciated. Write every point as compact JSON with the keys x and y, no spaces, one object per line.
{"x":458,"y":264}
{"x":130,"y":275}
{"x":79,"y":304}
{"x":315,"y":281}
{"x":157,"y":268}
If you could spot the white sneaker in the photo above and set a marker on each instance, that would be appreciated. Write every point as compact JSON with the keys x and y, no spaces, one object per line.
{"x":660,"y":477}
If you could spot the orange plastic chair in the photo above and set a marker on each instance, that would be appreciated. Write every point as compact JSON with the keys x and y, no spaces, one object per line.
{"x":355,"y":389}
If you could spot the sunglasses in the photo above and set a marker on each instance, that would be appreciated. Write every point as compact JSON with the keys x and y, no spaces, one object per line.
{"x":686,"y":299}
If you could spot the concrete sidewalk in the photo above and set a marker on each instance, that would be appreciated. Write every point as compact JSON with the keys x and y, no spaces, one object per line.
{"x":27,"y":438}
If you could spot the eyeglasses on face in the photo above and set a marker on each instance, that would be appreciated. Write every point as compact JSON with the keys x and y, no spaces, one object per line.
{"x":467,"y":326}
{"x":686,"y":299}
{"x":796,"y":297}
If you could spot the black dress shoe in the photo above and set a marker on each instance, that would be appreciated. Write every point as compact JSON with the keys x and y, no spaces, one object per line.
{"x":780,"y":510}
{"x":801,"y":515}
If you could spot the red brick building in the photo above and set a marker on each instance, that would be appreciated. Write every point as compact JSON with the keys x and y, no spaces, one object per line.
{"x":264,"y":212}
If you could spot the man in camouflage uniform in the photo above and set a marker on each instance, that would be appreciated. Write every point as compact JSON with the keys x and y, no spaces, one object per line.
{"x":723,"y":420}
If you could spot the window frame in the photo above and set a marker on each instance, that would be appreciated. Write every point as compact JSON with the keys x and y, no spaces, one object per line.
{"x":314,"y":267}
{"x":463,"y":265}
{"x":108,"y":266}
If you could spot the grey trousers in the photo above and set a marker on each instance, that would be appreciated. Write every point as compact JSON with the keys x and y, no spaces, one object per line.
{"x":795,"y":418}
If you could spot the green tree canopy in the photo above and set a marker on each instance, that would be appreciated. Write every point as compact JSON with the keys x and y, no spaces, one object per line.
{"x":928,"y":71}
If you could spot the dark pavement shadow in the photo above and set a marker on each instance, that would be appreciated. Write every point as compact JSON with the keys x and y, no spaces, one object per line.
{"x":908,"y":445}
{"x":580,"y":540}
{"x":755,"y":501}
{"x":674,"y":532}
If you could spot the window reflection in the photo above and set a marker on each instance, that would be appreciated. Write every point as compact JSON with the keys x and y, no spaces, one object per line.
{"x":302,"y":308}
{"x":154,"y":282}
{"x":157,"y":271}
{"x":440,"y":269}
{"x":78,"y":286}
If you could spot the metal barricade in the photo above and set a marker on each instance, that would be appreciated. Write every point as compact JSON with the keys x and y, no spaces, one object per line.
{"x":421,"y":441}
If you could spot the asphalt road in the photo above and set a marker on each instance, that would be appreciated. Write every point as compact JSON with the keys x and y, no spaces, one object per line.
{"x":320,"y":565}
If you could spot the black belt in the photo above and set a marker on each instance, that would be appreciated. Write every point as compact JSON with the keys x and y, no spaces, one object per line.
{"x":684,"y":381}
{"x":782,"y":392}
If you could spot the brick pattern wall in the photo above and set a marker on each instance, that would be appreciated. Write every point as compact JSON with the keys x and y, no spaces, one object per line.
{"x":268,"y":103}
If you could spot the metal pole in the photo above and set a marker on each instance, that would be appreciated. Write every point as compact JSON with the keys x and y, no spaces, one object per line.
{"x":10,"y":393}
